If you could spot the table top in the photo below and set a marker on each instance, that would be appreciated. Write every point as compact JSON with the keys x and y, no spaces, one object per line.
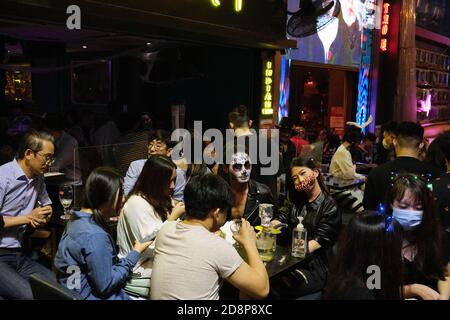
{"x":342,"y":184}
{"x":56,"y":221}
{"x":282,"y":260}
{"x":53,"y":174}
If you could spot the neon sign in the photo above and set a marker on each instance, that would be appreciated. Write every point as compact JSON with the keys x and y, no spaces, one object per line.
{"x":268,"y":86}
{"x":363,"y":107}
{"x":425,"y":105}
{"x":238,"y":4}
{"x":384,"y":27}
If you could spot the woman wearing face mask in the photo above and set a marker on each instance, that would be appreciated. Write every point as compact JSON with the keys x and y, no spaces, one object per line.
{"x":425,"y":255}
{"x":308,"y":197}
{"x":147,"y":207}
{"x":86,"y":260}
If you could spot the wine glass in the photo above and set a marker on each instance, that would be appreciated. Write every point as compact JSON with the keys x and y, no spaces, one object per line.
{"x":66,"y":198}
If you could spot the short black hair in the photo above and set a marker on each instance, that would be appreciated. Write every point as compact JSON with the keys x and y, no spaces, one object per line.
{"x":390,"y":127}
{"x":409,"y":134}
{"x":163,"y":136}
{"x":33,"y":140}
{"x":239,"y":116}
{"x":352,"y":134}
{"x":443,"y":141}
{"x":205,"y":193}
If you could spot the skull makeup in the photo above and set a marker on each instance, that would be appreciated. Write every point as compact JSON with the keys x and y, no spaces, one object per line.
{"x":241,"y":167}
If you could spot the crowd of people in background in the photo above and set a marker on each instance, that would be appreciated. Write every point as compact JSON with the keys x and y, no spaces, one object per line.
{"x":399,"y":218}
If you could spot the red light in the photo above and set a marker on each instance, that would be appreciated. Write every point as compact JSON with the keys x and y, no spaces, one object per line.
{"x":384,"y":26}
{"x":383,"y":45}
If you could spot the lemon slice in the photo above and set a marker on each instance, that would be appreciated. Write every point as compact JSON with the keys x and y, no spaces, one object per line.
{"x":271,"y":229}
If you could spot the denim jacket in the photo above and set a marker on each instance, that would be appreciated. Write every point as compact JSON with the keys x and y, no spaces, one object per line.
{"x":88,"y":249}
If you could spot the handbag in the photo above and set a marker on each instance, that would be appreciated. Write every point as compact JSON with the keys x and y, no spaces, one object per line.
{"x":138,"y":286}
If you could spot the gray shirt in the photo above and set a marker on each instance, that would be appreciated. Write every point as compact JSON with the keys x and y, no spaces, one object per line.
{"x":190,"y":263}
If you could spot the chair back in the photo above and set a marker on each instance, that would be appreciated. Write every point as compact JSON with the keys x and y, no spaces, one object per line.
{"x":44,"y":289}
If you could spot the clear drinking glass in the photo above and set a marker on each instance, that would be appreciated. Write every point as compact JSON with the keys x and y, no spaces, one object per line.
{"x":236,"y":226}
{"x":66,"y":198}
{"x":266,"y":242}
{"x":266,"y":214}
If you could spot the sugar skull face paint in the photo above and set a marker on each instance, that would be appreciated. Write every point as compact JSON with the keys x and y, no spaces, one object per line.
{"x":241,"y":167}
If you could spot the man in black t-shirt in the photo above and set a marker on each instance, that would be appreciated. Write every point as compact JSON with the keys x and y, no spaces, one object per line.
{"x":407,"y":144}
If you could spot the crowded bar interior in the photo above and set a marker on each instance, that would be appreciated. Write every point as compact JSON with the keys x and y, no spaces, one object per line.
{"x":225,"y":150}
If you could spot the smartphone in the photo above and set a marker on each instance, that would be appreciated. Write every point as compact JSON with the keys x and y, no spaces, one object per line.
{"x":151,"y":236}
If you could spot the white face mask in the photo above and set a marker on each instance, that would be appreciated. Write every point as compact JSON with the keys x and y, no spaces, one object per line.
{"x":241,"y":167}
{"x":408,"y":219}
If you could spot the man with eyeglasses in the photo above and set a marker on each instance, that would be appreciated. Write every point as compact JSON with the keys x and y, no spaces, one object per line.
{"x":23,"y":202}
{"x":159,"y":143}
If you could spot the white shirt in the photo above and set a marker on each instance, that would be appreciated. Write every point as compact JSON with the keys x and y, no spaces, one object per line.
{"x":137,"y":220}
{"x":342,"y":166}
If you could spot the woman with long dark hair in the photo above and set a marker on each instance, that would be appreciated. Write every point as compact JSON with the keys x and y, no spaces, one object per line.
{"x":308,"y":198}
{"x":147,"y":207}
{"x":86,"y":259}
{"x":367,"y":264}
{"x":424,"y":249}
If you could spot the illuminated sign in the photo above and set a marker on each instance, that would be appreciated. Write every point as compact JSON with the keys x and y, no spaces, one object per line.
{"x":363,"y":107}
{"x":237,"y":4}
{"x":384,"y":27}
{"x":425,"y":105}
{"x":268,"y":86}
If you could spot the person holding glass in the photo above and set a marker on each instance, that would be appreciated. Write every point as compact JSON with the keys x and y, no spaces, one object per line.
{"x":148,"y":206}
{"x":87,"y":246}
{"x":308,"y":198}
{"x":24,"y":202}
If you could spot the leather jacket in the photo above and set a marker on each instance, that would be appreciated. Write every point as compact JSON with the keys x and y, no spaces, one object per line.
{"x":258,"y":193}
{"x":322,"y":219}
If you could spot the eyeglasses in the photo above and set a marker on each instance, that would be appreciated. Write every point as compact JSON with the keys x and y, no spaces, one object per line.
{"x":49,"y":158}
{"x":157,"y":146}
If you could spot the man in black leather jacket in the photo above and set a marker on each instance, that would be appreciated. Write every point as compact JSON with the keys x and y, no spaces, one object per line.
{"x":248,"y":192}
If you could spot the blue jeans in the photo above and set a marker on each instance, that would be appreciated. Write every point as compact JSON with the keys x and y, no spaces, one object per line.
{"x":15,"y":269}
